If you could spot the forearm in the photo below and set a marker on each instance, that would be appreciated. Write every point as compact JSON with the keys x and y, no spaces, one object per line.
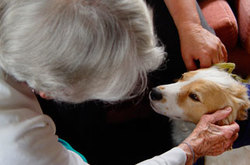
{"x":175,"y":156}
{"x":184,"y":13}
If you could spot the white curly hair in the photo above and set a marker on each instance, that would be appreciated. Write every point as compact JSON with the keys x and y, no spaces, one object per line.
{"x":77,"y":50}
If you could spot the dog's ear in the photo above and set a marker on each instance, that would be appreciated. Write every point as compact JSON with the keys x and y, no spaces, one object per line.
{"x":241,"y":101}
{"x":244,"y":105}
{"x":242,"y":112}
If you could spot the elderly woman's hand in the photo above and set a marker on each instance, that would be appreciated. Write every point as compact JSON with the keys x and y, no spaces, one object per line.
{"x":198,"y":44}
{"x":209,"y":138}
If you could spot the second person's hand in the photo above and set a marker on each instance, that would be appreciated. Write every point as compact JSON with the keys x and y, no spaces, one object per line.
{"x":198,"y":44}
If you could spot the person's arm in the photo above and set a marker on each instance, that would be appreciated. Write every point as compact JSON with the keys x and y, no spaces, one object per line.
{"x":196,"y":42}
{"x":175,"y":156}
{"x":210,"y":139}
{"x":206,"y":139}
{"x":184,"y":13}
{"x":27,"y":136}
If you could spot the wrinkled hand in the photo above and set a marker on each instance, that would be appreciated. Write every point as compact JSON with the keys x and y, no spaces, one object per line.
{"x":209,"y":138}
{"x":198,"y":44}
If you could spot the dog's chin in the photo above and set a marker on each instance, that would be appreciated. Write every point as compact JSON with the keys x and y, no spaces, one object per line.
{"x":174,"y":117}
{"x":157,"y":110}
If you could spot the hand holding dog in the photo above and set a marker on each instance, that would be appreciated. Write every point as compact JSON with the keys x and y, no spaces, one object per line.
{"x":198,"y":44}
{"x":209,"y":138}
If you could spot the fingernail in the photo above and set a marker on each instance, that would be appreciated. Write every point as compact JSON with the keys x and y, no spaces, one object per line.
{"x":228,"y":109}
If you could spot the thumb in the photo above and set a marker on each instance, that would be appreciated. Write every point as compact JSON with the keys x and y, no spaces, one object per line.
{"x":220,"y":114}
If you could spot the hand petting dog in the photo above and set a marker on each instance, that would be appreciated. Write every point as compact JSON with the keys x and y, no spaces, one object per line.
{"x":204,"y":47}
{"x":207,"y":134}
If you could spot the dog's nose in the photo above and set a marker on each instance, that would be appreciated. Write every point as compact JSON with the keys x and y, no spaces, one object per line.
{"x":155,"y":94}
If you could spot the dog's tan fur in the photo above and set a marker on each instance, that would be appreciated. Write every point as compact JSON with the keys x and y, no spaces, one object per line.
{"x":214,"y":90}
{"x":213,"y":97}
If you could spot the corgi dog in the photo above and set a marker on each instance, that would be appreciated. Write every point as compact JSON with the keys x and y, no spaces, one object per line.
{"x":200,"y":92}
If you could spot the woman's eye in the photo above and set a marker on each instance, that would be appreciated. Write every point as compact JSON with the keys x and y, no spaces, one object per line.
{"x":194,"y":97}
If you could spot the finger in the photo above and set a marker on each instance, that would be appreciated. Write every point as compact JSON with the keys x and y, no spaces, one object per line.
{"x":234,"y":127}
{"x":205,"y":61}
{"x":190,"y":64}
{"x":218,"y":149}
{"x":216,"y":58}
{"x":228,"y":145}
{"x":220,"y":54}
{"x":219,"y":115}
{"x":234,"y":137}
{"x":224,"y":50}
{"x":232,"y":140}
{"x":230,"y":130}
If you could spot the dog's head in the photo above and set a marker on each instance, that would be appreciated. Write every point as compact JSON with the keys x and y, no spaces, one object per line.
{"x":200,"y":92}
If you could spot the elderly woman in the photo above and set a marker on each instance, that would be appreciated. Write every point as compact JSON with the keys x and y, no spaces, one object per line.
{"x":73,"y":51}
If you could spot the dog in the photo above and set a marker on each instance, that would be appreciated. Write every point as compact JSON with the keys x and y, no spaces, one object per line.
{"x":201,"y":92}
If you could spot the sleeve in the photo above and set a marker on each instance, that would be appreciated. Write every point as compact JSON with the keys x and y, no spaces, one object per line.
{"x":175,"y":156}
{"x":27,"y":136}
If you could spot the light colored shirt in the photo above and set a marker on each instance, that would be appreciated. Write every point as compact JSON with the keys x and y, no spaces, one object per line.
{"x":175,"y":156}
{"x":27,"y":136}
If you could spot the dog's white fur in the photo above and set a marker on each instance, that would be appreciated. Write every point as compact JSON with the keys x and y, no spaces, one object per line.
{"x":197,"y":93}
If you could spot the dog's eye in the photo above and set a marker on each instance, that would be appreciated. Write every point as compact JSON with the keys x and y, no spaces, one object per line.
{"x":194,"y":97}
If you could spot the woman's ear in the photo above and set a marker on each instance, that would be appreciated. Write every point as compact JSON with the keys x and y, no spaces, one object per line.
{"x":44,"y":96}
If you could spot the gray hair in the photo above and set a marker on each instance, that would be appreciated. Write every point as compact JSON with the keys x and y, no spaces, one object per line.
{"x":76,"y":50}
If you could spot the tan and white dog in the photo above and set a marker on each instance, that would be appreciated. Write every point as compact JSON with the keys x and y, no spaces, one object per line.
{"x":200,"y":92}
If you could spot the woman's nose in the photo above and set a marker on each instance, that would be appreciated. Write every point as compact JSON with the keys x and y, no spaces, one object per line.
{"x":156,"y":94}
